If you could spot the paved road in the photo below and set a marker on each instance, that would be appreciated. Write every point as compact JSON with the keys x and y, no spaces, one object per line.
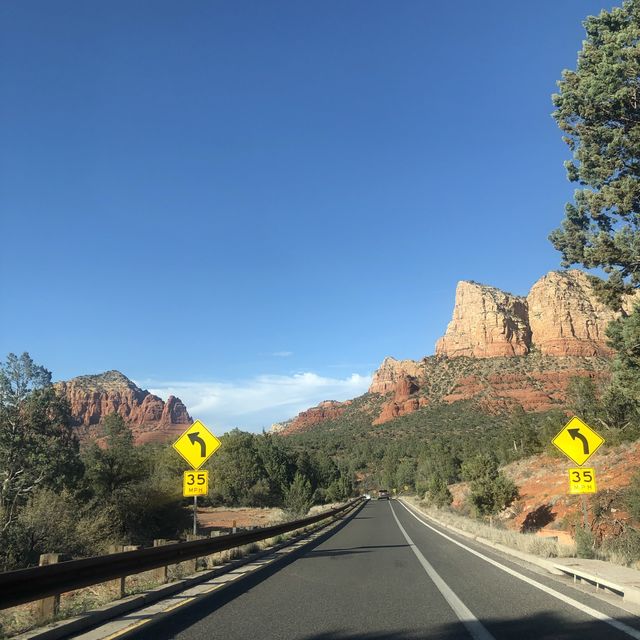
{"x":384,"y":574}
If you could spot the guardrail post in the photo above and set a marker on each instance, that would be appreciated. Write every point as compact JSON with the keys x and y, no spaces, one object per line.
{"x":116,"y":586}
{"x":192,"y":565}
{"x":160,"y":574}
{"x":234,"y":528}
{"x":211,"y":559}
{"x":48,"y":607}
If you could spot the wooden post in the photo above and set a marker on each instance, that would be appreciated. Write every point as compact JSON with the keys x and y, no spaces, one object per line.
{"x":233,"y":528}
{"x":128,"y":547}
{"x":48,"y":607}
{"x":116,"y":585}
{"x":585,"y":512}
{"x":211,"y":559}
{"x":160,"y":574}
{"x":192,"y":565}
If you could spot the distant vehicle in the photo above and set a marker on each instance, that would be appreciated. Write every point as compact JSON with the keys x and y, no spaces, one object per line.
{"x":383,"y":494}
{"x":367,"y":496}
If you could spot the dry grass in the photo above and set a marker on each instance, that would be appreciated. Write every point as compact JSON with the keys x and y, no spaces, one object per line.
{"x":23,"y":618}
{"x":525,"y":542}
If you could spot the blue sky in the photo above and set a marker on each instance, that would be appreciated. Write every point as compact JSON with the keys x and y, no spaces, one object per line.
{"x":253,"y":203}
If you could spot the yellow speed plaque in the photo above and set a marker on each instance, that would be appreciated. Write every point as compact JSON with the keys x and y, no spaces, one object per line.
{"x":582,"y":480}
{"x":195,"y":483}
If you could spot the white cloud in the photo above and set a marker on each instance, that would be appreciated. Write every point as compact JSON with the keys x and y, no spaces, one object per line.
{"x":282,"y":354}
{"x":258,"y":402}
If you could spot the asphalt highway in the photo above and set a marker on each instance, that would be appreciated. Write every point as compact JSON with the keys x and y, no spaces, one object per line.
{"x":385,"y":574}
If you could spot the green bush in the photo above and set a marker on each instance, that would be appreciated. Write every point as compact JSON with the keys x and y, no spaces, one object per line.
{"x":438,"y":493}
{"x":56,"y":523}
{"x":625,"y":548}
{"x":298,"y":497}
{"x":490,"y":495}
{"x":585,"y":543}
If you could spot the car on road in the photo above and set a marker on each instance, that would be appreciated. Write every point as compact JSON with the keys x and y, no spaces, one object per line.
{"x":383,"y":494}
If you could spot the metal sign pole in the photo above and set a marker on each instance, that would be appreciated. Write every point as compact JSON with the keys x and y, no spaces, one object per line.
{"x":195,"y":514}
{"x":585,"y":517}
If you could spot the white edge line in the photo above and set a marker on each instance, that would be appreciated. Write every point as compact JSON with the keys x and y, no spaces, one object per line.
{"x":621,"y":626}
{"x":472,"y":624}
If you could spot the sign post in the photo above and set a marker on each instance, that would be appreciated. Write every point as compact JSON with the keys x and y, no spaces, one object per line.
{"x":578,"y":441}
{"x":196,"y":445}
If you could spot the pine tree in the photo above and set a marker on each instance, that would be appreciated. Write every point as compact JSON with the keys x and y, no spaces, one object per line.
{"x":598,"y":110}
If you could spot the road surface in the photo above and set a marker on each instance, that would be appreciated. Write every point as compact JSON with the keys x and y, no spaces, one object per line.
{"x":385,"y":574}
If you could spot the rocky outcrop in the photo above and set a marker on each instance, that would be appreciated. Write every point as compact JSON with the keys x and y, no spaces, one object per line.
{"x":391,"y":372}
{"x":486,"y":323}
{"x":502,"y":351}
{"x":566,"y":318}
{"x":95,"y":396}
{"x":561,"y":316}
{"x":326,"y":410}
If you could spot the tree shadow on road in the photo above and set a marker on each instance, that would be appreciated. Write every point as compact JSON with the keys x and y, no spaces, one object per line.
{"x":352,"y":550}
{"x":545,"y":626}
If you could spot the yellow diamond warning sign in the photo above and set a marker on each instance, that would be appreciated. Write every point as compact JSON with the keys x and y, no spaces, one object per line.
{"x":577,"y":440}
{"x":197,"y":444}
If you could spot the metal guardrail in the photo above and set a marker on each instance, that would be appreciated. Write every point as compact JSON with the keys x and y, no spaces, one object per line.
{"x":26,"y":585}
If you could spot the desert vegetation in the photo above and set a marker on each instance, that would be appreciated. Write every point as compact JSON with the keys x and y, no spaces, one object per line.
{"x":59,"y":497}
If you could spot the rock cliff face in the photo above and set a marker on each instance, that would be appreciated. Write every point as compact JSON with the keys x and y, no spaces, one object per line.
{"x":95,"y":396}
{"x":391,"y":372}
{"x":566,"y":318}
{"x":486,"y":323}
{"x":327,"y":410}
{"x":561,"y":316}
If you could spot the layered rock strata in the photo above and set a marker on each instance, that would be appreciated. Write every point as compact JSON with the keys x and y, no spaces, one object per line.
{"x":561,"y":316}
{"x":95,"y":396}
{"x":566,"y":318}
{"x":501,"y":350}
{"x":327,"y":410}
{"x":486,"y":323}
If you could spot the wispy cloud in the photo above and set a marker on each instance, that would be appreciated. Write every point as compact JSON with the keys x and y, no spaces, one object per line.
{"x":258,"y":402}
{"x":282,"y":354}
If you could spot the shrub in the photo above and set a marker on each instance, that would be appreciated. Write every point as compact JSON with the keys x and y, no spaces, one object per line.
{"x":585,"y":543}
{"x":298,"y":496}
{"x":624,"y":549}
{"x":438,"y":493}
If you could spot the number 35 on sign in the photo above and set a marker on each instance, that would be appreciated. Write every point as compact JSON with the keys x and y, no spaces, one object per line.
{"x":195,"y":483}
{"x":582,"y":480}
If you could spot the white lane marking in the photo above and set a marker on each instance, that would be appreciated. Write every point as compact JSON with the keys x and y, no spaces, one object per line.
{"x":473,"y":625}
{"x":621,"y":626}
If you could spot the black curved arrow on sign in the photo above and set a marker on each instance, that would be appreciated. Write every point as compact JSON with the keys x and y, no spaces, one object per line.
{"x":575,"y":433}
{"x":195,"y":437}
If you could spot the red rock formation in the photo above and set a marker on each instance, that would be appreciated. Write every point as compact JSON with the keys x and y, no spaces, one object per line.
{"x":96,"y":396}
{"x":486,"y":323}
{"x":395,"y":408}
{"x":503,"y":350}
{"x":534,"y":381}
{"x":326,"y":410}
{"x":391,"y":372}
{"x":561,"y":316}
{"x":565,"y":316}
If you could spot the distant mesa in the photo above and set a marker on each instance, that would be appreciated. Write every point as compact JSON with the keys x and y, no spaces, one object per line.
{"x":500,"y":350}
{"x":93,"y":397}
{"x":326,"y":410}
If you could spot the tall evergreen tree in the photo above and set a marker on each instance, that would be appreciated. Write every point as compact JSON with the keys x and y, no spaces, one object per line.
{"x":598,"y":110}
